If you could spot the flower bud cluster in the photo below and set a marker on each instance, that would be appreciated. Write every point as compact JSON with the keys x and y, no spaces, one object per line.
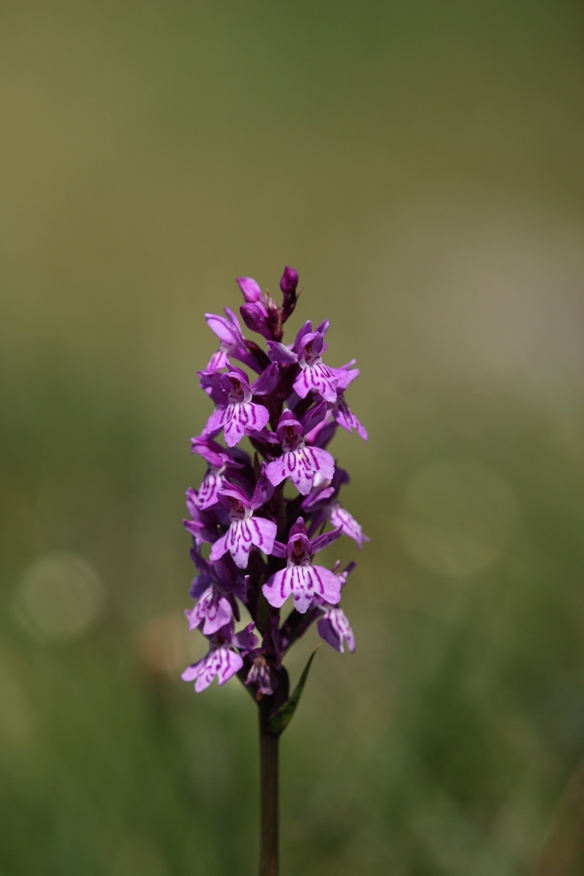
{"x":258,"y":521}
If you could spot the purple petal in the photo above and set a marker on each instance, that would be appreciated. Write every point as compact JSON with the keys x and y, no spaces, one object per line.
{"x":345,"y":417}
{"x":301,"y":466}
{"x":220,"y":547}
{"x":193,"y":671}
{"x":335,"y":629}
{"x":245,"y":639}
{"x":267,"y":381}
{"x":251,"y":290}
{"x":211,"y":452}
{"x":213,"y":609}
{"x":280,"y":353}
{"x":254,"y":317}
{"x":227,"y":330}
{"x":305,"y":330}
{"x":322,"y":541}
{"x":346,"y":375}
{"x":278,"y":549}
{"x":215,"y":423}
{"x":302,"y":587}
{"x":325,"y":463}
{"x":279,"y":587}
{"x":314,"y":416}
{"x":263,"y":490}
{"x":217,"y":362}
{"x":242,"y":419}
{"x":318,"y":378}
{"x":341,"y":518}
{"x":239,"y":541}
{"x":263,"y":533}
{"x":228,"y":663}
{"x":207,"y":495}
{"x":325,"y":583}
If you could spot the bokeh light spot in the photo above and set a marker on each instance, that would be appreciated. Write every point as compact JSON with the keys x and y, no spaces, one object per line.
{"x":59,"y":596}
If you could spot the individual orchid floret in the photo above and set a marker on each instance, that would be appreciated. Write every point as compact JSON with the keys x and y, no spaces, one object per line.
{"x":222,"y":574}
{"x":240,"y":416}
{"x":299,"y":462}
{"x":220,"y":463}
{"x":260,"y":675}
{"x":245,"y":530}
{"x":300,"y":579}
{"x":203,"y":525}
{"x":224,"y":659}
{"x":335,"y":629}
{"x":212,"y":610}
{"x":333,"y":625}
{"x":314,"y":375}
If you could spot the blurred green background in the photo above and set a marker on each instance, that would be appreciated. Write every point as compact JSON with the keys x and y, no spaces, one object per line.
{"x":422,"y":166}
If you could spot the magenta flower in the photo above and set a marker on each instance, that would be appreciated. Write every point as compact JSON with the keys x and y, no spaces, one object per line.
{"x":335,"y":629}
{"x":213,"y":610}
{"x":237,"y":415}
{"x":245,"y":530}
{"x":300,"y":579}
{"x":224,"y":659}
{"x":299,"y":462}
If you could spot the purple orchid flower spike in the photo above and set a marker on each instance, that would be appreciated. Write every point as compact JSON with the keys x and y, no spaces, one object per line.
{"x":299,"y":462}
{"x":254,"y":541}
{"x":224,"y":659}
{"x":300,"y":579}
{"x":245,"y":530}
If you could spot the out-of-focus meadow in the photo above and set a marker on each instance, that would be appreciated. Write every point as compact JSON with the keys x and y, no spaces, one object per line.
{"x":422,"y":166}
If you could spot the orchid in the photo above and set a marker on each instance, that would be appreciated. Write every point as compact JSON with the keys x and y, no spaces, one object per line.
{"x":263,"y":512}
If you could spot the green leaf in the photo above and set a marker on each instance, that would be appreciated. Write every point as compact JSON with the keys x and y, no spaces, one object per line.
{"x":280,"y":719}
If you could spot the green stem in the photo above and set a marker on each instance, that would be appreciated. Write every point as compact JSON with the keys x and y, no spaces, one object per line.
{"x":269,"y":793}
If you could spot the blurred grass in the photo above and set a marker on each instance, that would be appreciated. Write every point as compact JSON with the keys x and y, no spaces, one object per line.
{"x":421,"y":166}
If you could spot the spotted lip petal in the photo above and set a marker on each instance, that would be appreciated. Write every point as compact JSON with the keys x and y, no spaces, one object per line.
{"x":301,"y":466}
{"x":221,"y":662}
{"x":302,"y":583}
{"x":241,"y":536}
{"x":318,"y":378}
